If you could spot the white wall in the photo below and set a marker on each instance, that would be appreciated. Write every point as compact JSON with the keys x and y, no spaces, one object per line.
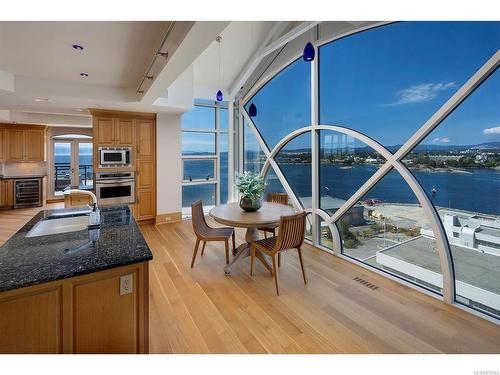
{"x":168,"y":163}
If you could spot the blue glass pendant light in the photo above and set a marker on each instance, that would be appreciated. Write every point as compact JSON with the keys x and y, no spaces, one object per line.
{"x":252,"y":110}
{"x":219,"y":95}
{"x":308,"y":52}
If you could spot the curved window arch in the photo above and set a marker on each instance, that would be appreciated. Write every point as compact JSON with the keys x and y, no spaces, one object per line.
{"x":386,"y":81}
{"x":459,"y":57}
{"x":283,"y":104}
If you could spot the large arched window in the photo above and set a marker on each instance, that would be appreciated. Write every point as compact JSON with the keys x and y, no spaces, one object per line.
{"x":401,"y":170}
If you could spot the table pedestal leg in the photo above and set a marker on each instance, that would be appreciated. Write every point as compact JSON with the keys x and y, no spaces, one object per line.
{"x":243,"y":251}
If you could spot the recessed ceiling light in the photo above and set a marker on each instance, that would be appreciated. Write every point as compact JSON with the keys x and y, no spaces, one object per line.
{"x":42,"y":100}
{"x":84,"y":74}
{"x":79,"y":110}
{"x":77,"y":47}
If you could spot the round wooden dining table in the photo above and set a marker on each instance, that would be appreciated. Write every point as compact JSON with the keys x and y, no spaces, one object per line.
{"x":267,"y":216}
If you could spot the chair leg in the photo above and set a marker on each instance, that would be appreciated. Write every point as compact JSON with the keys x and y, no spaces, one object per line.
{"x":276,"y":276}
{"x":302,"y":265}
{"x":234,"y":243}
{"x":203,"y":248}
{"x":252,"y":257}
{"x":226,"y":244}
{"x":265,"y":234}
{"x":279,"y":259}
{"x":195,"y":251}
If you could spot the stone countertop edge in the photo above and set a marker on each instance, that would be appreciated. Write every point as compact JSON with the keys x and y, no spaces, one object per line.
{"x":27,"y":261}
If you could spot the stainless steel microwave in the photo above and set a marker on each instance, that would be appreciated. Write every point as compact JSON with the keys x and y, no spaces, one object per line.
{"x":115,"y":157}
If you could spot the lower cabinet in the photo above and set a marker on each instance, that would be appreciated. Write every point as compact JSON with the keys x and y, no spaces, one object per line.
{"x":76,"y":200}
{"x":6,"y":193}
{"x":144,"y":208}
{"x":83,"y":314}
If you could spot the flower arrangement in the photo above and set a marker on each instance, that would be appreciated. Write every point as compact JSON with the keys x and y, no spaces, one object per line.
{"x":251,"y":185}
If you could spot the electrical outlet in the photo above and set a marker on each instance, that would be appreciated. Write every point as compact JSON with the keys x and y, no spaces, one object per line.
{"x":126,"y":284}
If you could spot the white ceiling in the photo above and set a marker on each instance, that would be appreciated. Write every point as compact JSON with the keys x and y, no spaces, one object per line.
{"x":37,"y":61}
{"x":115,"y":54}
{"x":240,"y":41}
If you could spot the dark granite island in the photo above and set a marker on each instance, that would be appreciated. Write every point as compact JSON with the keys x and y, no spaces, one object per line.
{"x":84,"y":291}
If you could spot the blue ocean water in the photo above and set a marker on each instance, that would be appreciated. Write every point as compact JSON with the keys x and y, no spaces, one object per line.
{"x":476,"y":190}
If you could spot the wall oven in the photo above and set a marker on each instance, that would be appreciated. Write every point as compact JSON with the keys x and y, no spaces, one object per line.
{"x":114,"y":157}
{"x":115,"y":187}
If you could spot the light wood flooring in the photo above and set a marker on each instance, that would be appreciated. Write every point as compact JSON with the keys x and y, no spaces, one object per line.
{"x":201,"y":310}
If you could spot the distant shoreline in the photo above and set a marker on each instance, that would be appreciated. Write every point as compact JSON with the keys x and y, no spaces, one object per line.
{"x":422,"y":169}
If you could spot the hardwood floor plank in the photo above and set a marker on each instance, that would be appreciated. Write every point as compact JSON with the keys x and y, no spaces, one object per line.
{"x":201,"y":310}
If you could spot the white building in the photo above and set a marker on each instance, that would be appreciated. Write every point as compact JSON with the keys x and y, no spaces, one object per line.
{"x":476,"y":232}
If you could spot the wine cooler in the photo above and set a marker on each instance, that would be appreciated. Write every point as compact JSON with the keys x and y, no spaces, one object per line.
{"x":28,"y":193}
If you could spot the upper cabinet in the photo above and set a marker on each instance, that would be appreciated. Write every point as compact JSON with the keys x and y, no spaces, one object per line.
{"x":114,"y":132}
{"x":145,"y":134}
{"x":22,"y":143}
{"x":34,"y":143}
{"x":124,"y":132}
{"x":3,"y":144}
{"x":104,"y":131}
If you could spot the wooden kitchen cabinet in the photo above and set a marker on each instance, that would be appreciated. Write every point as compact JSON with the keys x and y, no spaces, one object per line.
{"x":25,"y":143}
{"x":34,"y":144}
{"x":6,"y":193}
{"x":15,"y":145}
{"x":104,"y":129}
{"x":145,"y":206}
{"x":124,"y":132}
{"x":3,"y":144}
{"x":114,"y":132}
{"x":138,"y":131}
{"x":145,"y":175}
{"x":146,"y":140}
{"x":83,"y":314}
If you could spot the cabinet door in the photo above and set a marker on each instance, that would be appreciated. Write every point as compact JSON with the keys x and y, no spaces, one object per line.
{"x":104,"y":132}
{"x":15,"y":147}
{"x":124,"y":132}
{"x":2,"y":145}
{"x":145,"y":138}
{"x":104,"y":320}
{"x":31,"y":323}
{"x":6,"y":193}
{"x":145,"y":174}
{"x":34,"y":145}
{"x":145,"y":205}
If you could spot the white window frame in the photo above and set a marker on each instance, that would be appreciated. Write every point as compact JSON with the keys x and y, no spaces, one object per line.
{"x":393,"y":161}
{"x":218,"y":131}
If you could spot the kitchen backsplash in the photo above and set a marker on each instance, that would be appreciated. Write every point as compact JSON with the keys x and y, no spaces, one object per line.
{"x":24,"y":169}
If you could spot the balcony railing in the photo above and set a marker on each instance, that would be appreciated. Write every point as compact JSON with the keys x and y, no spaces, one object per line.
{"x":62,"y":176}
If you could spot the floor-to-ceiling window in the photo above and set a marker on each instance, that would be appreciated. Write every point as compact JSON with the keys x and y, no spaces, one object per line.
{"x":401,"y":167}
{"x":205,"y":155}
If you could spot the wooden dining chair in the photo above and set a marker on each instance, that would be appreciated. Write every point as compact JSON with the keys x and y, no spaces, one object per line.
{"x":290,"y":236}
{"x":274,"y":198}
{"x":205,"y":233}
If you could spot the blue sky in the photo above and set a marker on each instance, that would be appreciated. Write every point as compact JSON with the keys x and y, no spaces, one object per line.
{"x":386,"y":82}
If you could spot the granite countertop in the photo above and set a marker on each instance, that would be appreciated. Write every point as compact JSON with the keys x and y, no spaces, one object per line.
{"x":26,"y":261}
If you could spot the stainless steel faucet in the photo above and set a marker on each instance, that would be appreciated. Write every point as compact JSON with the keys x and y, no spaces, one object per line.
{"x":95,"y":215}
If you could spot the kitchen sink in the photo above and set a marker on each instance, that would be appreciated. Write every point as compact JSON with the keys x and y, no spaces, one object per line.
{"x":58,"y":225}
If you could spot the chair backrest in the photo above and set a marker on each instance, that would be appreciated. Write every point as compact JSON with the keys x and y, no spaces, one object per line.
{"x":200,"y":225}
{"x":277,"y":198}
{"x":292,"y":232}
